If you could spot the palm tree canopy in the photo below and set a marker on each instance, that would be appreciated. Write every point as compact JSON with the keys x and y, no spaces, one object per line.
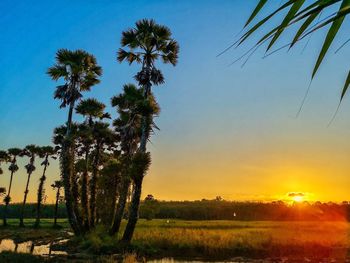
{"x":57,"y":184}
{"x":92,"y":108}
{"x":59,"y":134}
{"x":146,"y":42}
{"x":133,"y":102}
{"x":306,"y":16}
{"x":46,"y":150}
{"x":80,"y":72}
{"x":31,"y":150}
{"x":14,"y":151}
{"x":4,"y":157}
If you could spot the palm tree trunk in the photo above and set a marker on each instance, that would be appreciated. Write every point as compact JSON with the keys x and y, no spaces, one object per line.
{"x":21,"y":223}
{"x":7,"y":200}
{"x":134,"y":212}
{"x":40,"y":194}
{"x":75,"y":195}
{"x":70,"y":117}
{"x":67,"y":169}
{"x":93,"y":183}
{"x":123,"y":195}
{"x":56,"y":207}
{"x":84,"y":194}
{"x":67,"y":163}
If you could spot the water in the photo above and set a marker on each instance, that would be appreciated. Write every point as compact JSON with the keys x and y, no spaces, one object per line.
{"x":31,"y":248}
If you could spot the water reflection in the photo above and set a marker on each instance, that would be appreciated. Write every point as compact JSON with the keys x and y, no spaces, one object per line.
{"x":31,"y":248}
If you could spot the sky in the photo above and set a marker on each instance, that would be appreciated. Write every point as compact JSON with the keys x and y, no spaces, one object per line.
{"x":225,"y":130}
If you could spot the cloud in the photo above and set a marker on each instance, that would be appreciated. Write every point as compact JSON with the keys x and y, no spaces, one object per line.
{"x":293,"y":194}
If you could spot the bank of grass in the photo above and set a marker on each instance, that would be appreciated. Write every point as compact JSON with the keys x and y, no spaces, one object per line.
{"x":213,"y":239}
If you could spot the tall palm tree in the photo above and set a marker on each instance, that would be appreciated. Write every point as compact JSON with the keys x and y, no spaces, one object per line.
{"x":129,"y":106}
{"x":146,"y":43}
{"x":56,"y":185}
{"x":13,"y":153}
{"x":31,"y":151}
{"x":90,"y":109}
{"x":80,"y":72}
{"x":45,"y":152}
{"x":305,"y":16}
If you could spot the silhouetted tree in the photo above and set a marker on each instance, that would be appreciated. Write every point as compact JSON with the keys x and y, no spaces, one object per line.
{"x":13,"y":153}
{"x":147,"y":42}
{"x":80,"y":72}
{"x":45,"y":152}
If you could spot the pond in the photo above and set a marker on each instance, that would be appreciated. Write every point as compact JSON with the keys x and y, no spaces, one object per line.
{"x":31,"y":247}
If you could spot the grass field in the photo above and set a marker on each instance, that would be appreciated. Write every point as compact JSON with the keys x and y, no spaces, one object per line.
{"x":213,"y":239}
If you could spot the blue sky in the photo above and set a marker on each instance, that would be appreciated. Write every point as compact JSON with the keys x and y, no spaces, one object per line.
{"x":225,"y":130}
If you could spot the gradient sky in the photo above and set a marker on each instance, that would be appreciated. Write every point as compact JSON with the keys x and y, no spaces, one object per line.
{"x":225,"y":130}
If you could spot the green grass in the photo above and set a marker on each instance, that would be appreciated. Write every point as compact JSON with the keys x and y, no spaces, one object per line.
{"x":209,"y":239}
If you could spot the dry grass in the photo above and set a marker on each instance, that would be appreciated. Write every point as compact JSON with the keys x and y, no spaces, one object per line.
{"x":230,"y":238}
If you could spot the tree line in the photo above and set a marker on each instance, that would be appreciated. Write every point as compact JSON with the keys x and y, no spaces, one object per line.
{"x":214,"y":210}
{"x":103,"y":160}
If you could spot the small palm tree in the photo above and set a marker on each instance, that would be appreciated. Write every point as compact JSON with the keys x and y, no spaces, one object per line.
{"x":31,"y":151}
{"x":146,"y":43}
{"x":45,"y":152}
{"x":57,"y":185}
{"x":80,"y":72}
{"x":103,"y":138}
{"x":4,"y":157}
{"x":13,"y":153}
{"x":90,"y":109}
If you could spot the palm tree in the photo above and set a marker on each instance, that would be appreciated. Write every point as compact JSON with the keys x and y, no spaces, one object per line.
{"x":90,"y":109}
{"x":80,"y":72}
{"x":45,"y":152}
{"x":57,"y":185}
{"x":306,"y":16}
{"x":59,"y":139}
{"x":4,"y":157}
{"x":13,"y":153}
{"x":31,"y":151}
{"x":103,"y":137}
{"x":107,"y":183}
{"x":146,"y":43}
{"x":129,"y":106}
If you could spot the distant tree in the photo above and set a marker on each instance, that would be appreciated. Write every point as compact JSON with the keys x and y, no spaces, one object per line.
{"x":149,"y":197}
{"x":4,"y":157}
{"x":57,"y":185}
{"x":219,"y":198}
{"x":13,"y":153}
{"x":45,"y":152}
{"x":32,"y":151}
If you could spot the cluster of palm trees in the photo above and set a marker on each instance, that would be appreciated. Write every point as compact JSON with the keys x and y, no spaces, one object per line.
{"x":103,"y":161}
{"x":32,"y":152}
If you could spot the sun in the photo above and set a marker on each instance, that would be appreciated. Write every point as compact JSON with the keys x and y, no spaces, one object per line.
{"x":298,"y":198}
